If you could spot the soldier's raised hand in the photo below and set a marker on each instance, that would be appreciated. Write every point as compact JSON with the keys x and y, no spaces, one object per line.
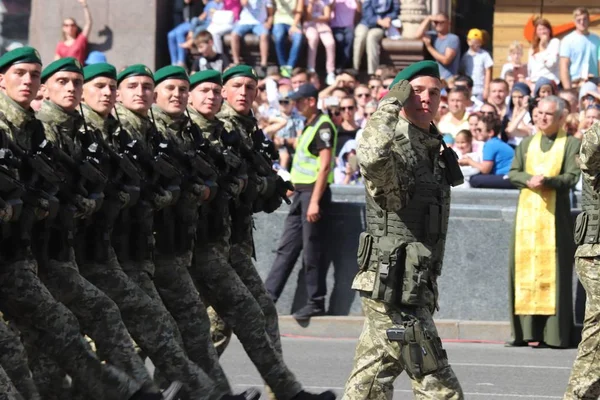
{"x":400,"y":91}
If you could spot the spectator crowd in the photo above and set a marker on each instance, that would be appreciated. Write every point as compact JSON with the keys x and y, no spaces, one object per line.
{"x":482,"y":118}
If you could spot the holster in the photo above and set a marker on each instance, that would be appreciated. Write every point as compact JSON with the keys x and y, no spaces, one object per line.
{"x":421,"y":351}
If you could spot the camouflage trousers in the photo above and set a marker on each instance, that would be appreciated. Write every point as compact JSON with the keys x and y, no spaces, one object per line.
{"x":151,"y":325}
{"x":51,"y":327}
{"x":99,"y":318}
{"x":377,"y":361}
{"x":225,"y":291}
{"x":7,"y":390}
{"x":14,"y":361}
{"x":179,"y":294}
{"x":584,"y":382}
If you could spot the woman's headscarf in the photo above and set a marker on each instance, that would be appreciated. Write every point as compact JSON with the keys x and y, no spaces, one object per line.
{"x":544,"y":81}
{"x":517,"y":87}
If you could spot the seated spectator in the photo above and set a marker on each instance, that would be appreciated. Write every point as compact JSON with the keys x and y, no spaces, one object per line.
{"x":291,"y":125}
{"x":457,"y":117}
{"x":348,"y":128}
{"x":463,"y":146}
{"x":473,"y":104}
{"x":74,"y":39}
{"x":543,"y":54}
{"x":346,"y":80}
{"x":375,"y":86}
{"x":518,"y":118}
{"x":317,"y":16}
{"x":590,"y":117}
{"x":442,"y":109}
{"x":370,"y":108}
{"x":544,"y":87}
{"x":362,"y":95}
{"x":509,"y":77}
{"x":571,"y":97}
{"x":477,"y":63}
{"x":384,"y":70}
{"x":515,"y":63}
{"x":499,"y":95}
{"x":222,"y":22}
{"x":342,"y":26}
{"x":443,"y":46}
{"x":579,"y":51}
{"x":299,"y":77}
{"x":588,"y":95}
{"x":208,"y":58}
{"x":256,"y":17}
{"x":495,"y":161}
{"x":573,"y":126}
{"x":376,"y":17}
{"x":346,"y":171}
{"x":202,"y":22}
{"x":387,"y":81}
{"x":267,"y":100}
{"x":287,"y":26}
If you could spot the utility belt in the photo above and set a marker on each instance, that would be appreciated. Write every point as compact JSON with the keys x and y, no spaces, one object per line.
{"x":587,"y":228}
{"x":404,"y":271}
{"x":421,"y":351}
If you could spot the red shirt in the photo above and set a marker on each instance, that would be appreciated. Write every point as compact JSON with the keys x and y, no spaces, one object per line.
{"x":77,"y":50}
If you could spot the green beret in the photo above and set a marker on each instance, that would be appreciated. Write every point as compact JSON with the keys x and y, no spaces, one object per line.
{"x":210,"y":75}
{"x":101,"y":69}
{"x":240,"y":70}
{"x":421,"y":68}
{"x":170,"y":72}
{"x":68,"y":64}
{"x":134,"y":70}
{"x":19,"y":56}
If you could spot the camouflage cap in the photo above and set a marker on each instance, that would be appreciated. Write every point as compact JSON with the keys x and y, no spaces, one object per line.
{"x":134,"y":70}
{"x":239,"y":70}
{"x":68,"y":64}
{"x":170,"y":72}
{"x":19,"y":56}
{"x":421,"y":68}
{"x":206,"y":76}
{"x":101,"y":69}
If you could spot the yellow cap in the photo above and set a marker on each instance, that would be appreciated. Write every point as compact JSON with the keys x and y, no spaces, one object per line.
{"x":475,"y":34}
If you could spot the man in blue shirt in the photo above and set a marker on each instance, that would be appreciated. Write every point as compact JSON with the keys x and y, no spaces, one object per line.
{"x":579,"y":51}
{"x":443,"y":46}
{"x":496,"y":160}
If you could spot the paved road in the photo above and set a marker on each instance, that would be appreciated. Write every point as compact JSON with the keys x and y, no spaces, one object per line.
{"x":486,"y":371}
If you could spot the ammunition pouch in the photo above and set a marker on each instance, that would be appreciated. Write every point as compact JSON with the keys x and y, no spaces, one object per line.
{"x":403,"y":270}
{"x":454,"y":175}
{"x":587,"y":227}
{"x":421,"y":351}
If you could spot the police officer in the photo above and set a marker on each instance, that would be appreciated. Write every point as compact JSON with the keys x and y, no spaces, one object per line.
{"x":583,"y":383}
{"x":400,"y":254}
{"x":48,"y":324}
{"x":306,"y":224}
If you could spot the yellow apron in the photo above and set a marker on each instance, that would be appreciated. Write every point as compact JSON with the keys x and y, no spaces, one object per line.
{"x":535,"y":233}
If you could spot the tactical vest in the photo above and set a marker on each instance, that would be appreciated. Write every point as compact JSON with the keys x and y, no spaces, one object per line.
{"x":406,"y":247}
{"x":305,"y":167}
{"x":587,"y":225}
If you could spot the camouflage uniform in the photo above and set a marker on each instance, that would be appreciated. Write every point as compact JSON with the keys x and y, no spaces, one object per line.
{"x":149,"y":322}
{"x":14,"y":361}
{"x":393,"y":155}
{"x":7,"y":390}
{"x":222,"y":285}
{"x":583,"y":383}
{"x":98,"y":315}
{"x":172,"y":277}
{"x":47,"y":324}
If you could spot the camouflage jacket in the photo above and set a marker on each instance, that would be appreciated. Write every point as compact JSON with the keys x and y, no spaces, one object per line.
{"x":16,"y":122}
{"x":389,"y":179}
{"x":137,"y":126}
{"x":233,"y":121}
{"x":173,"y":129}
{"x":61,"y":127}
{"x":107,"y":127}
{"x":589,"y":157}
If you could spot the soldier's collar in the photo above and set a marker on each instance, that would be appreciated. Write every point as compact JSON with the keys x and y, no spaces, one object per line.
{"x":53,"y":114}
{"x":138,"y":122}
{"x":18,"y":116}
{"x":248,"y":121}
{"x":175,"y":123}
{"x":96,"y":121}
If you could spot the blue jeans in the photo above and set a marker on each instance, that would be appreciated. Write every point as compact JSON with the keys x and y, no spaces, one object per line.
{"x":175,"y":37}
{"x":280,"y":35}
{"x":344,"y":37}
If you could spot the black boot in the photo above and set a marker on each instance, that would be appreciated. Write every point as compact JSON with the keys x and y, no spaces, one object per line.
{"x":250,"y":394}
{"x":303,"y":395}
{"x":308,"y":311}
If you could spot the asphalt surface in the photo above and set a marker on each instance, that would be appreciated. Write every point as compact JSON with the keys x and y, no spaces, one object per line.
{"x":485,"y":370}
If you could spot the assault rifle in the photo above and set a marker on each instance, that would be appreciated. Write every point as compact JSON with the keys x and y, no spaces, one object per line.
{"x":11,"y":189}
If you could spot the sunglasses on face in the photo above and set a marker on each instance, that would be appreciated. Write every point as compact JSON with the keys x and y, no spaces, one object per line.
{"x":589,"y":98}
{"x":488,"y":113}
{"x":66,"y":24}
{"x":262,"y":88}
{"x":284,"y":102}
{"x":335,"y":112}
{"x":351,"y":108}
{"x":374,"y":87}
{"x":437,"y":22}
{"x":363,"y":95}
{"x":368,"y":115}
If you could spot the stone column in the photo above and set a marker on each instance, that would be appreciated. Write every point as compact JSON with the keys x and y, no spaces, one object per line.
{"x":412,"y":13}
{"x":126,"y":31}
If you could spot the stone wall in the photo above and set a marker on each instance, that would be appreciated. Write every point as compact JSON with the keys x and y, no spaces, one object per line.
{"x":473,"y":285}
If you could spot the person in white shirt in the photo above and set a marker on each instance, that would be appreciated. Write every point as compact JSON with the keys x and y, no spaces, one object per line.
{"x":543,"y":54}
{"x":458,"y":118}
